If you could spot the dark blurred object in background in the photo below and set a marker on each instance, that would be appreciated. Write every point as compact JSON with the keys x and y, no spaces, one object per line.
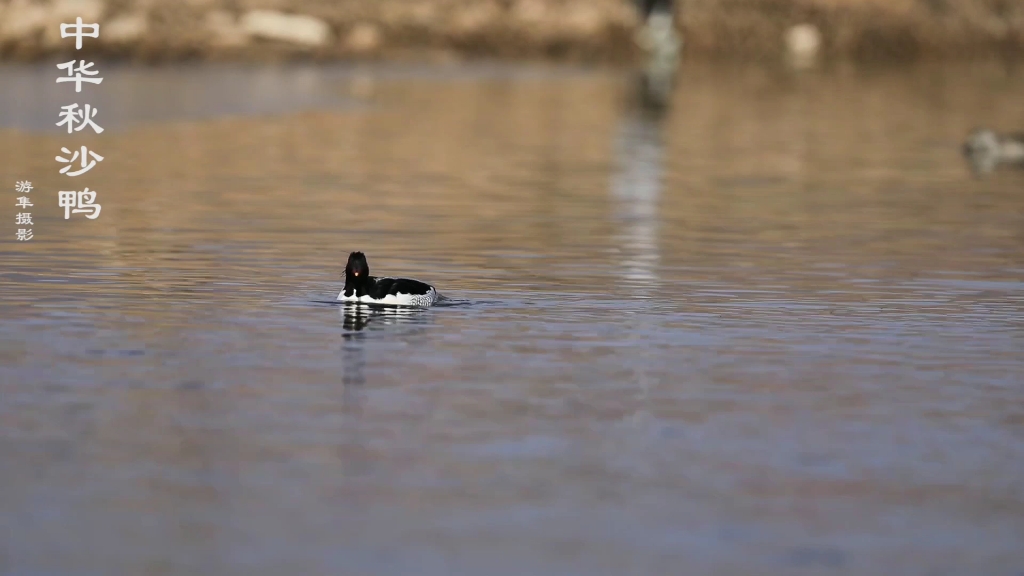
{"x":661,"y":43}
{"x":647,"y":7}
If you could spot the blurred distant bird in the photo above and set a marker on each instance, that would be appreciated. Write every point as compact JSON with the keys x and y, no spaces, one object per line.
{"x":662,"y":44}
{"x":985,"y":150}
{"x":657,"y":35}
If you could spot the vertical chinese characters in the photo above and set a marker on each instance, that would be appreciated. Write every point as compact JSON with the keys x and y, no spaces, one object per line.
{"x":76,"y":118}
{"x":79,"y":119}
{"x":79,"y":31}
{"x":88,"y":159}
{"x":23,"y":203}
{"x":77,"y":202}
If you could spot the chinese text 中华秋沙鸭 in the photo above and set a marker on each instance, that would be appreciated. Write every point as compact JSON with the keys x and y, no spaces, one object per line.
{"x":76,"y":118}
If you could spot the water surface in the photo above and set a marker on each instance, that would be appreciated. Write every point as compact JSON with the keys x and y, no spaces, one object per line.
{"x":777,"y":330}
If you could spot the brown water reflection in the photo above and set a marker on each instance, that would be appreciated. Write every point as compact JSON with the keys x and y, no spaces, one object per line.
{"x":776,"y":331}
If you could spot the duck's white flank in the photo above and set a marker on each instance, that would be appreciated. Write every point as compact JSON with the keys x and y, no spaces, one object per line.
{"x":399,"y":299}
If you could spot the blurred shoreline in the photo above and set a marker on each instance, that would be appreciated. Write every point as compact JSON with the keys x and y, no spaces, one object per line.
{"x":557,"y":30}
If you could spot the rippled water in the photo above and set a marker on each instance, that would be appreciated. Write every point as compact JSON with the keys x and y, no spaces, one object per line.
{"x":776,"y":331}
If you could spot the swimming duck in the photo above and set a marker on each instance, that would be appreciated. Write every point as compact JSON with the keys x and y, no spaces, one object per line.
{"x":985,"y":150}
{"x":361,"y":287}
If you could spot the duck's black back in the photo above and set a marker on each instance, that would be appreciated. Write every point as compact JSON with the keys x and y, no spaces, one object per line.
{"x":382,"y":287}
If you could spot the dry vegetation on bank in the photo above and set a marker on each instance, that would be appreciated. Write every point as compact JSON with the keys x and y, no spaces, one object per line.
{"x":594,"y":30}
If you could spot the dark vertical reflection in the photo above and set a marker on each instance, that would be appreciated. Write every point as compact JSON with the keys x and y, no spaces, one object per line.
{"x":353,"y":358}
{"x":354,"y":318}
{"x":636,"y":183}
{"x":353,"y":353}
{"x":639,"y":150}
{"x":636,"y":188}
{"x":352,"y":452}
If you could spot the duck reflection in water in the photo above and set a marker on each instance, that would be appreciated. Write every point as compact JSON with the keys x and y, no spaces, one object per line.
{"x":356,"y":317}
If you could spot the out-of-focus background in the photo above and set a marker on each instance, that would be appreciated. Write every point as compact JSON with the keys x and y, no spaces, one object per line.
{"x":734,"y":287}
{"x":593,"y":30}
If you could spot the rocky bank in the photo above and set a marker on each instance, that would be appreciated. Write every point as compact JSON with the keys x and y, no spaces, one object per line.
{"x":593,"y":30}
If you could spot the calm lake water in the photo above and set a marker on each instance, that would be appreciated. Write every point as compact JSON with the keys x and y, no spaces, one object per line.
{"x":776,"y":330}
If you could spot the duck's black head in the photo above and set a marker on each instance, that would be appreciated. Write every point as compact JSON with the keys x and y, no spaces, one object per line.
{"x":357,"y":268}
